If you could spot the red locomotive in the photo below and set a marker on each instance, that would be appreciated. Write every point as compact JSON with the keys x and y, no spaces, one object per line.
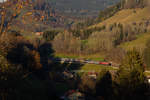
{"x":105,"y":63}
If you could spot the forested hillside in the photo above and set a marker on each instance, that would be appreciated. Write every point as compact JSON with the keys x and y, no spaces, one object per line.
{"x":115,"y":25}
{"x":81,"y":7}
{"x":31,"y":68}
{"x":38,"y":17}
{"x":43,"y":15}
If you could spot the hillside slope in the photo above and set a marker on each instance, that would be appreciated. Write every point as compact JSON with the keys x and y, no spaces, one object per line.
{"x":127,"y":16}
{"x":132,"y":20}
{"x":43,"y":15}
{"x":139,"y":43}
{"x":127,"y":28}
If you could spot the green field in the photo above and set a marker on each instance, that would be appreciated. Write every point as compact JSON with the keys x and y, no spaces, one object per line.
{"x":96,"y":68}
{"x":95,"y":57}
{"x":147,"y":73}
{"x":139,"y":43}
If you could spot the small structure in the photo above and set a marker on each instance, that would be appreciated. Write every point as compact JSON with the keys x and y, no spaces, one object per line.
{"x":39,"y":33}
{"x":2,"y":1}
{"x":73,"y":95}
{"x":148,"y":79}
{"x":92,"y":75}
{"x":67,"y":75}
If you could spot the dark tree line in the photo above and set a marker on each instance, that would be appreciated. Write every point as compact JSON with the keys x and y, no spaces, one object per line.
{"x":128,"y":83}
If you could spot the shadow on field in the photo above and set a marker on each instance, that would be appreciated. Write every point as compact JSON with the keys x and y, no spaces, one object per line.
{"x":40,"y":75}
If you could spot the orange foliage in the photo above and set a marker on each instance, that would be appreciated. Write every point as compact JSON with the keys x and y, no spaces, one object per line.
{"x":35,"y":60}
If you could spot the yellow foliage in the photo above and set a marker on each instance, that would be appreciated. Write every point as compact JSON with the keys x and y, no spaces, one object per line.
{"x":28,"y":13}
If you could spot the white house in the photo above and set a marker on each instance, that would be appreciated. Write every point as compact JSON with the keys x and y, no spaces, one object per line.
{"x":148,"y":79}
{"x":1,"y":1}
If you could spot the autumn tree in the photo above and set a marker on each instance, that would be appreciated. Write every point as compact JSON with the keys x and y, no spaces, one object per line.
{"x":11,"y":74}
{"x":116,"y":55}
{"x":7,"y":16}
{"x":50,"y":35}
{"x":34,"y":60}
{"x":135,"y":3}
{"x":87,"y":85}
{"x":67,"y":43}
{"x":100,"y":42}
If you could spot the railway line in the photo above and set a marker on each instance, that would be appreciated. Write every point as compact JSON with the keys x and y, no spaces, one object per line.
{"x":81,"y":61}
{"x":87,"y":61}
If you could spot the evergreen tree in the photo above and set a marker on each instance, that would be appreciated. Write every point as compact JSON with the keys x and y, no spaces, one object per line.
{"x":147,"y":54}
{"x":104,"y":88}
{"x":133,"y":60}
{"x":131,"y":79}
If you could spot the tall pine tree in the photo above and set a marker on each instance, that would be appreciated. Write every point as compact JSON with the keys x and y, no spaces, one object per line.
{"x":131,"y":80}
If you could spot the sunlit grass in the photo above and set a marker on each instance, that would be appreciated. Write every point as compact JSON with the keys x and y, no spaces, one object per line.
{"x":139,"y":43}
{"x":126,"y":16}
{"x":96,"y":68}
{"x":99,"y":68}
{"x":147,"y":73}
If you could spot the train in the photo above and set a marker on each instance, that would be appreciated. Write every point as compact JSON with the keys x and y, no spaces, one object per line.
{"x":68,"y":60}
{"x":105,"y":63}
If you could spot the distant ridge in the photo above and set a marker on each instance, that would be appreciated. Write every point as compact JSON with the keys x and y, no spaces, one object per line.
{"x":80,"y":7}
